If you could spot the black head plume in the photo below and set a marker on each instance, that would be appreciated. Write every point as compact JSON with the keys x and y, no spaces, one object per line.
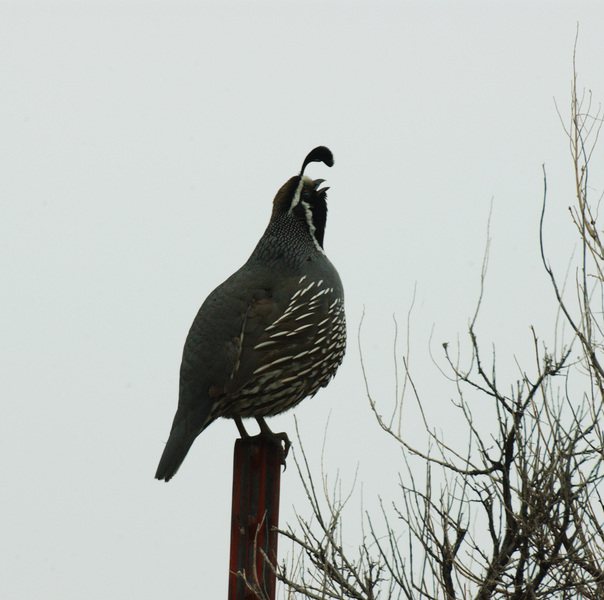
{"x":319,"y":154}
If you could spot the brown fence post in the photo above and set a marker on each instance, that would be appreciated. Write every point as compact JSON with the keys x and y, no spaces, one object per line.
{"x":254,"y":516}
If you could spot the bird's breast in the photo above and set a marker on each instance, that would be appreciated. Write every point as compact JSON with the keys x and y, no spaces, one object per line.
{"x":289,"y":352}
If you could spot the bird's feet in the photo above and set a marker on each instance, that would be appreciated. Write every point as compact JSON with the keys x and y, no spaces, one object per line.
{"x":279,"y":438}
{"x":242,"y":432}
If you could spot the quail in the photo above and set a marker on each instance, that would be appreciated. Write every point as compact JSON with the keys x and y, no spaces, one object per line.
{"x":273,"y":333}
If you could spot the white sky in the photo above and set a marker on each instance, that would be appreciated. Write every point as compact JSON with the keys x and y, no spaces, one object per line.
{"x":141,"y":145}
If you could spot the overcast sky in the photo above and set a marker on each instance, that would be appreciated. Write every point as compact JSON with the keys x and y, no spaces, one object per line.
{"x":141,"y":145}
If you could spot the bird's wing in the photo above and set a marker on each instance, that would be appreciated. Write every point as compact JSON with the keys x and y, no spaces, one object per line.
{"x":280,"y":332}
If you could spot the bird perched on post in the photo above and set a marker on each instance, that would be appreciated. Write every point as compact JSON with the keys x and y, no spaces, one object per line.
{"x":273,"y":333}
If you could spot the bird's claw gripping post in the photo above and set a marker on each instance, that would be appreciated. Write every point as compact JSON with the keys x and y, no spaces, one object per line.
{"x":281,"y":439}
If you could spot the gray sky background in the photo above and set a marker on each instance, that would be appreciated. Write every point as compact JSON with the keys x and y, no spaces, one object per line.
{"x":141,"y":146}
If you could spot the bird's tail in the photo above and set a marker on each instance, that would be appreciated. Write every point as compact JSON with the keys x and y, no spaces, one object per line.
{"x":179,"y":443}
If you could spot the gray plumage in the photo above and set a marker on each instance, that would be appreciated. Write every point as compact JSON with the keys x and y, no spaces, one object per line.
{"x":273,"y":333}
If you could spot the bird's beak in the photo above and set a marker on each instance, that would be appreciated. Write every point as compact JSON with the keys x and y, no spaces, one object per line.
{"x":317,"y":183}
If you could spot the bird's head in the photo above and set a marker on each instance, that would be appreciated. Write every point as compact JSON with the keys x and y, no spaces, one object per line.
{"x":303,"y":199}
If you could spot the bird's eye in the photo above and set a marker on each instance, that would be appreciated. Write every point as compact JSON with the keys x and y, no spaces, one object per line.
{"x":305,"y":195}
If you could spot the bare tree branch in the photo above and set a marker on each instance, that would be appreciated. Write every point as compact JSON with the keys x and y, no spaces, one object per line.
{"x":516,"y":513}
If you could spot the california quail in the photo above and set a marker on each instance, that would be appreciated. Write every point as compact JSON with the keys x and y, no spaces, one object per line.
{"x":273,"y":333}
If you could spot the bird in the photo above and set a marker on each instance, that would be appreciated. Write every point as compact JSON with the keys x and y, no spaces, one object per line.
{"x":273,"y":333}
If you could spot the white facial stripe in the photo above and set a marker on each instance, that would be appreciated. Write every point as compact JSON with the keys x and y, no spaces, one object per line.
{"x":296,"y":199}
{"x":304,"y":179}
{"x":308,"y":213}
{"x":311,"y":226}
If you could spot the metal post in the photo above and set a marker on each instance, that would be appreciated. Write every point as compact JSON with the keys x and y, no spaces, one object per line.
{"x":254,"y":516}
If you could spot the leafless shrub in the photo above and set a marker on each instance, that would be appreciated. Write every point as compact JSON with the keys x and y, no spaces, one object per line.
{"x":517,"y":512}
